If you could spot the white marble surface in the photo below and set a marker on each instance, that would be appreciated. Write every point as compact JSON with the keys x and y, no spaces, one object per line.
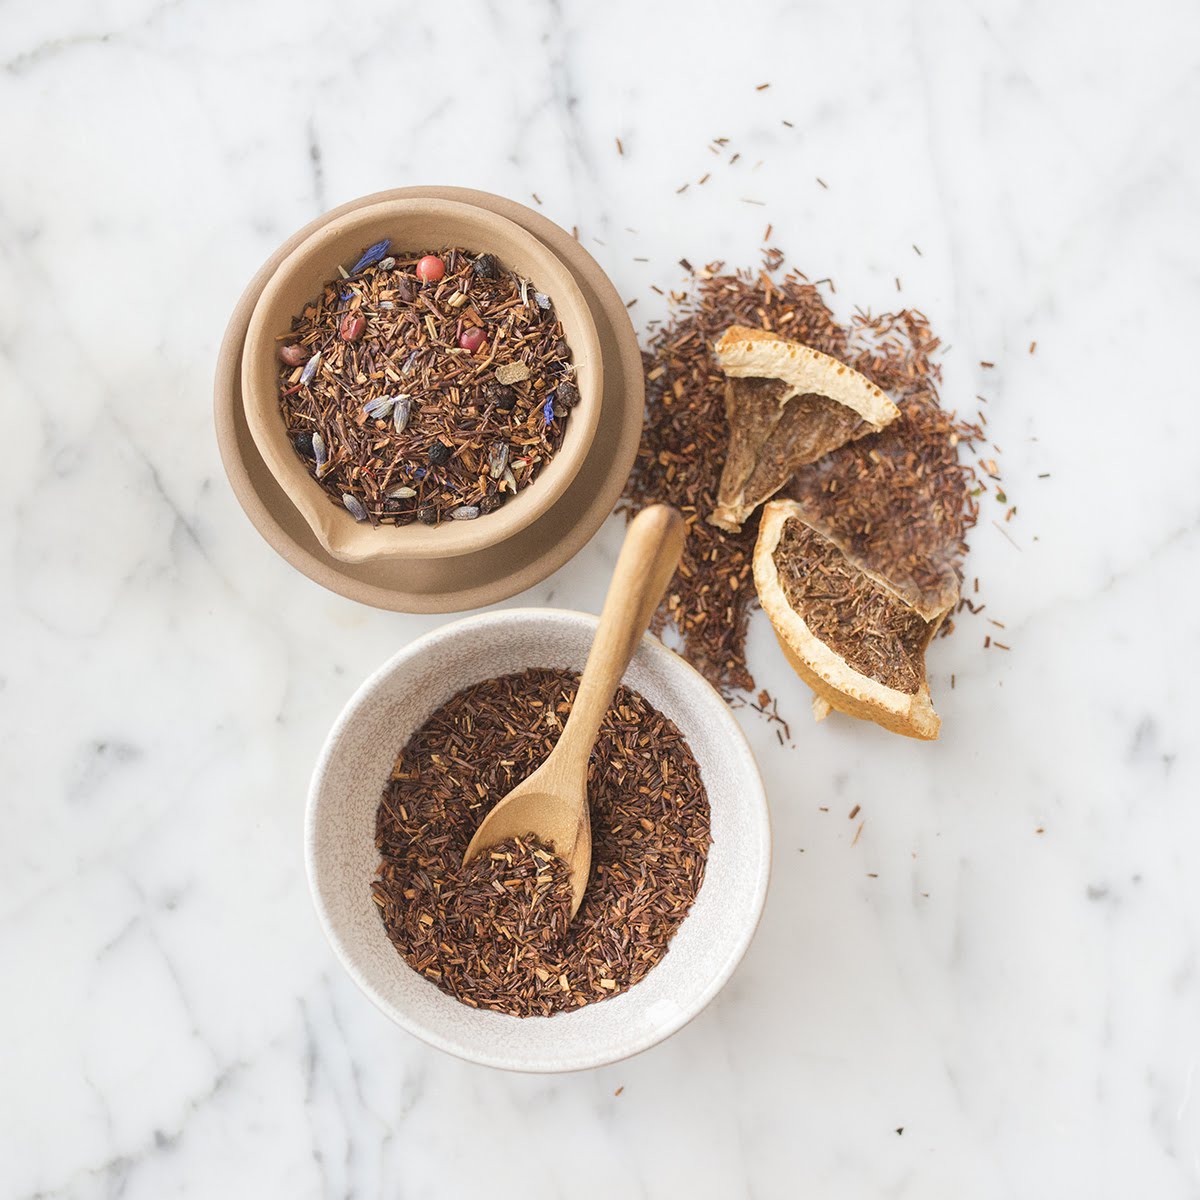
{"x":1024,"y":1005}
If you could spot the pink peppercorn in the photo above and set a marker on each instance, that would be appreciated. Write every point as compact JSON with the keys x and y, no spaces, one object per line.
{"x":430,"y":269}
{"x":471,"y":339}
{"x":353,"y":326}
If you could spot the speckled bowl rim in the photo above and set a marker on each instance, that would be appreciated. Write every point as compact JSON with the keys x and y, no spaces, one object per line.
{"x":724,"y":725}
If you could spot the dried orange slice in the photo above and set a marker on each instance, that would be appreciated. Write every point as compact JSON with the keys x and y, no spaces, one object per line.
{"x":787,"y":405}
{"x":846,"y":632}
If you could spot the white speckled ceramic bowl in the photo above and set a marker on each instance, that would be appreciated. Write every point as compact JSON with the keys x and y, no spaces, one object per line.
{"x":341,"y":856}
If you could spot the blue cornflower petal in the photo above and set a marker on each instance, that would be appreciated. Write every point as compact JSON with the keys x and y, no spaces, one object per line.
{"x":371,"y":255}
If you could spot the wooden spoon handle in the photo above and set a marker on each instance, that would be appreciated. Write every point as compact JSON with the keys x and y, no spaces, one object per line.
{"x":645,"y":566}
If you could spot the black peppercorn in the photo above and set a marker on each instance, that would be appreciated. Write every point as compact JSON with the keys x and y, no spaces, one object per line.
{"x":304,"y":445}
{"x":491,"y":502}
{"x":427,"y":514}
{"x":393,"y":506}
{"x":566,"y":395}
{"x":440,"y":454}
{"x":486,"y":267}
{"x":504,"y":398}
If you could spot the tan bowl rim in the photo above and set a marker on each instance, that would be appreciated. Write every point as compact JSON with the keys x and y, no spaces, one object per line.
{"x":753,"y":798}
{"x":339,"y":534}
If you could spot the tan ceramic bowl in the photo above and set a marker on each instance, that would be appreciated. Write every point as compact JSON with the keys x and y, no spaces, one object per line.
{"x":414,"y":225}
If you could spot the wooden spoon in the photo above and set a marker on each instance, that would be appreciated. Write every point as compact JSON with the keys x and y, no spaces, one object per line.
{"x":552,"y":803}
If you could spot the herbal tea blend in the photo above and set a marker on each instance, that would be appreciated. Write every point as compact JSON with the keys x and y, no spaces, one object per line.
{"x":495,"y":934}
{"x":425,"y":387}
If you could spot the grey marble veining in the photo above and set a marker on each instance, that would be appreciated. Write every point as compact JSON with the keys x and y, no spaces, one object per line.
{"x":993,"y":992}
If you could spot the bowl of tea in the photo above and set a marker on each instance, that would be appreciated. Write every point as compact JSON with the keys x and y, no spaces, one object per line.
{"x":422,"y":377}
{"x":484,"y":959}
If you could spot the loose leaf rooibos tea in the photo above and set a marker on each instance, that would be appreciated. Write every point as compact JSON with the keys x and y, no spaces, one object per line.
{"x":495,"y":933}
{"x":900,"y":500}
